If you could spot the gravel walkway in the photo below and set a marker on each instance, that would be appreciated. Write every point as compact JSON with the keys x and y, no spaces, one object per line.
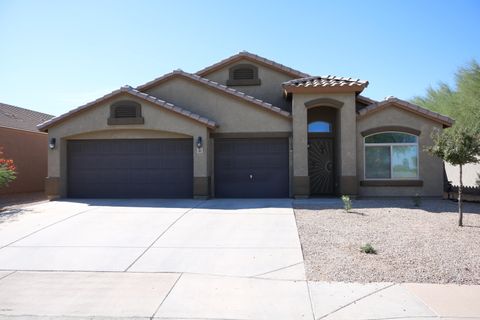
{"x":413,"y":244}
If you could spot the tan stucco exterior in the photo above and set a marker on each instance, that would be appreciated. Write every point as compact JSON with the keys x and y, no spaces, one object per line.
{"x":430,"y":168}
{"x":231,"y":114}
{"x":92,"y":124}
{"x":236,"y":117}
{"x":346,"y":126}
{"x":269,"y":90}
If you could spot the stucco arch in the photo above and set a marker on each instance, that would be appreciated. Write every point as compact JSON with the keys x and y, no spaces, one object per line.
{"x":324,"y":102}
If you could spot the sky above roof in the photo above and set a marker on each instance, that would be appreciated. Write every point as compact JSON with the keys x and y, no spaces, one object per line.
{"x":57,"y":55}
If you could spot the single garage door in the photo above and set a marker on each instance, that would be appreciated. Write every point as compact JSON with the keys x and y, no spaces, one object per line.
{"x":251,"y":168}
{"x":144,"y":168}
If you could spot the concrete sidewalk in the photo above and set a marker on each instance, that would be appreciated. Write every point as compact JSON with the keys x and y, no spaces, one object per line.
{"x":90,"y":295}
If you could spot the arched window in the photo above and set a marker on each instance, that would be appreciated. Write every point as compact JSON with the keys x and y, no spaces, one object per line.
{"x":391,"y":156}
{"x":243,"y":75}
{"x":320,"y":127}
{"x":125,"y":112}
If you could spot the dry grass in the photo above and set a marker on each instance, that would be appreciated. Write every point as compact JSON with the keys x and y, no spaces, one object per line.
{"x":413,"y":244}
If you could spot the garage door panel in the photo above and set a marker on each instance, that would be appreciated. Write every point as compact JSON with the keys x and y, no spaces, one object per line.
{"x":133,"y":168}
{"x":251,"y":168}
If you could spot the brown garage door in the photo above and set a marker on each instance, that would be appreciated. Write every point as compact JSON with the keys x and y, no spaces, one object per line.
{"x":251,"y":168}
{"x":144,"y":168}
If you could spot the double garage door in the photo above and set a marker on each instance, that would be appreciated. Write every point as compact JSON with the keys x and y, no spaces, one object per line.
{"x":163,"y":168}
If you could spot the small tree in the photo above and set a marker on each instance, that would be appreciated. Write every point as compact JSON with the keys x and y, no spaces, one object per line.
{"x":7,"y":171}
{"x":457,"y":146}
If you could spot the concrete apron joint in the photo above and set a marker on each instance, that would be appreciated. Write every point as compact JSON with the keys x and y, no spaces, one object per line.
{"x":166,"y":296}
{"x":161,"y":234}
{"x":48,"y":226}
{"x":356,"y":300}
{"x":275,"y":270}
{"x":7,"y":275}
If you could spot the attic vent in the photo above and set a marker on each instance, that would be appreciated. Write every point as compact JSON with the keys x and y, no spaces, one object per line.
{"x":243,"y":75}
{"x":125,"y":112}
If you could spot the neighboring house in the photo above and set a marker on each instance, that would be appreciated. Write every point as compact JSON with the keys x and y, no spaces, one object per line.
{"x":243,"y":127}
{"x":21,"y":141}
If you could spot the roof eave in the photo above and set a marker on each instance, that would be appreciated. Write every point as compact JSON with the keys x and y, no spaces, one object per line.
{"x":436,"y":117}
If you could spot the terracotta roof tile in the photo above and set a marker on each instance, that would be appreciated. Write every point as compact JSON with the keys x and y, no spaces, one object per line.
{"x":134,"y":92}
{"x":20,"y":118}
{"x":446,"y":121}
{"x":252,"y":57}
{"x":217,"y":86}
{"x":325,"y":81}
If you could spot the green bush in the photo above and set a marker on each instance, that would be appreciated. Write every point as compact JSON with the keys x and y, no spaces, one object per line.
{"x":347,"y":203}
{"x":368,"y":249}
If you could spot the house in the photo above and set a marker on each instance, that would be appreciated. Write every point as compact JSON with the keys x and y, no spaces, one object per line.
{"x":21,"y":141}
{"x":243,"y":127}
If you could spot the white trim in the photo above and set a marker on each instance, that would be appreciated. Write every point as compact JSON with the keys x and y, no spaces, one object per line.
{"x":404,"y":144}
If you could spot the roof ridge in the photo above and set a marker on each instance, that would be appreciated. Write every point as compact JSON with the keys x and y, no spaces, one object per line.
{"x":218,"y":86}
{"x":142,"y":95}
{"x":253,"y":56}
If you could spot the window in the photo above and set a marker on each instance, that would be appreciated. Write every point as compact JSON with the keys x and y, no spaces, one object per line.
{"x":125,"y":112}
{"x":243,"y":75}
{"x":391,"y":155}
{"x":320,"y":127}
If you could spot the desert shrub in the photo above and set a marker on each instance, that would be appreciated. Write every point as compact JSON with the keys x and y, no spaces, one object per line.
{"x":368,"y":249}
{"x":347,"y":203}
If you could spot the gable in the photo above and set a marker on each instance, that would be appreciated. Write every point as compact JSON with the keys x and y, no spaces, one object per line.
{"x":95,"y":119}
{"x":231,"y":113}
{"x":405,"y":106}
{"x":269,"y":89}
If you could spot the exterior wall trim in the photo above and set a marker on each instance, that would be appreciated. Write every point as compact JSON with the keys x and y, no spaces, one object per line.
{"x":391,"y":183}
{"x":251,"y":135}
{"x":324,"y":102}
{"x":390,"y":129}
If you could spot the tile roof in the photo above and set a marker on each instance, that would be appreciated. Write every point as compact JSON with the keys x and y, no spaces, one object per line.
{"x":446,"y":121}
{"x":216,"y":86}
{"x":365,"y":100}
{"x":254,"y":58}
{"x":134,"y":92}
{"x":325,"y":81}
{"x":20,"y":118}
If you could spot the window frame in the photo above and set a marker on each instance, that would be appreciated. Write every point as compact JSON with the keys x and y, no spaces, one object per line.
{"x":390,"y":144}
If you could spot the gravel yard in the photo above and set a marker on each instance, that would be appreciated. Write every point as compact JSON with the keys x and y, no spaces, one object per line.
{"x":413,"y":244}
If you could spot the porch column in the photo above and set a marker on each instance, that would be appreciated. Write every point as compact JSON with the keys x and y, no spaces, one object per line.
{"x":301,"y":180}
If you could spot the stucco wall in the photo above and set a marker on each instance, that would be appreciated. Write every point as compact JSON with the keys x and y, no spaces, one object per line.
{"x":231,"y":114}
{"x":269,"y":90}
{"x":29,"y":153}
{"x":92,"y":124}
{"x":430,"y":168}
{"x":346,"y":125}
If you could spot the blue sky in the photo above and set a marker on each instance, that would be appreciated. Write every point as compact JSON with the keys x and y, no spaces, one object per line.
{"x":56,"y":55}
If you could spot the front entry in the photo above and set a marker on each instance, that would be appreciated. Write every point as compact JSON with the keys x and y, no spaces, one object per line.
{"x":321,"y":150}
{"x":320,"y":166}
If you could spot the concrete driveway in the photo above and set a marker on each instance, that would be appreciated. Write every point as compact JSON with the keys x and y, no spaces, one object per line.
{"x":180,"y":259}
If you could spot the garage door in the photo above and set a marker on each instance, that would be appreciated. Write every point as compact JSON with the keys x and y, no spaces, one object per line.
{"x":251,"y":168}
{"x":147,"y":168}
